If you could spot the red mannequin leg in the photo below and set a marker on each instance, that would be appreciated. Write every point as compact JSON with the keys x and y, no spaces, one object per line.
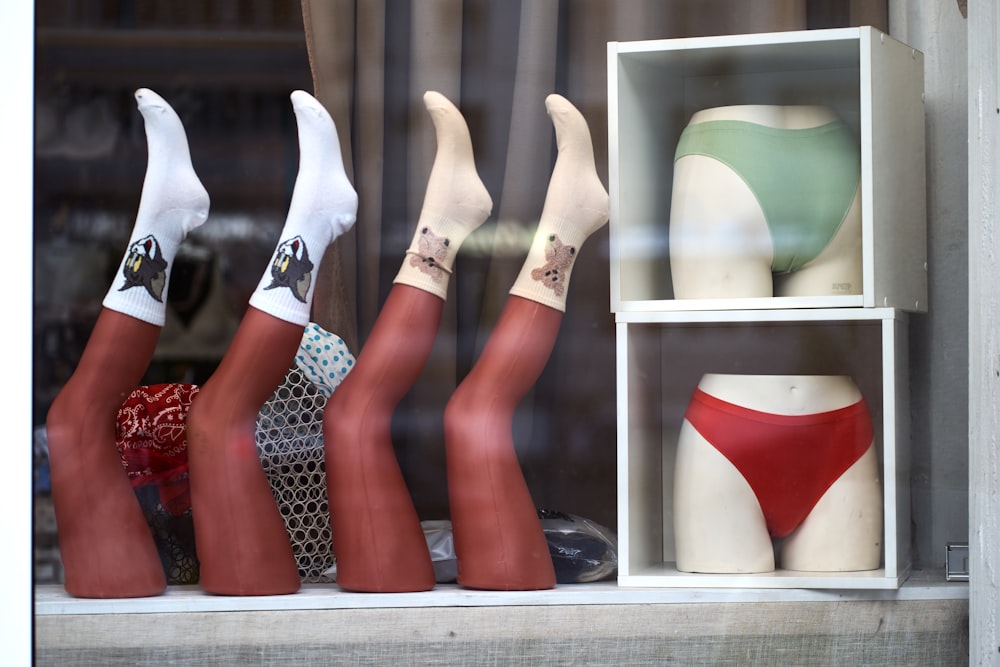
{"x":498,"y":537}
{"x":242,"y":543}
{"x":377,"y":537}
{"x":107,"y":548}
{"x":243,"y":546}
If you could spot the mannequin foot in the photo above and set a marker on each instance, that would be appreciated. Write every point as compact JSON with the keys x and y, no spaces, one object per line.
{"x":171,"y":187}
{"x":456,"y":202}
{"x":173,"y":202}
{"x":321,"y":187}
{"x":454,"y":190}
{"x":576,"y":205}
{"x":575,"y":190}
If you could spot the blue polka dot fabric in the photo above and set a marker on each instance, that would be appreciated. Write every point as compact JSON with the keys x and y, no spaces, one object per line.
{"x":323,"y":358}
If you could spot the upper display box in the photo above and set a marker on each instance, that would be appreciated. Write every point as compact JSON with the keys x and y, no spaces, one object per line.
{"x":873,"y":82}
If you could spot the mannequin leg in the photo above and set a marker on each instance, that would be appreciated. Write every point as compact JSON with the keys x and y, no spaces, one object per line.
{"x":718,"y":524}
{"x":106,"y":545}
{"x":498,"y":536}
{"x":837,"y":270}
{"x":843,"y":532}
{"x":720,"y":245}
{"x":243,"y":547}
{"x":377,"y":537}
{"x":788,"y":457}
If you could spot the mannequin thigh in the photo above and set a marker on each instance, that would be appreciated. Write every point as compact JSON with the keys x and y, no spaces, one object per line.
{"x":718,"y":524}
{"x":837,"y":270}
{"x":720,"y":245}
{"x":843,"y":532}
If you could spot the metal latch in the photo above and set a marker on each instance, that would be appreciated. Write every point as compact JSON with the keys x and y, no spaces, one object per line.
{"x":956,"y":561}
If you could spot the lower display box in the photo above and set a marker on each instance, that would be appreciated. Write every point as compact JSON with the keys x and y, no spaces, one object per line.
{"x":661,"y":357}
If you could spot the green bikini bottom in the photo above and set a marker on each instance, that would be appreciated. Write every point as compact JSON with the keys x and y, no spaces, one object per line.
{"x":803,"y":179}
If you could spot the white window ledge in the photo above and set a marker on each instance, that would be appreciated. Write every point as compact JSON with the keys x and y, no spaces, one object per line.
{"x":53,"y":600}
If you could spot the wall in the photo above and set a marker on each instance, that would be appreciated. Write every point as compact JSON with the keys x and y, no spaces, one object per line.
{"x":984,"y":342}
{"x":939,"y":339}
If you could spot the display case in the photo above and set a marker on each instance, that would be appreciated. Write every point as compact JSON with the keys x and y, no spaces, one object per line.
{"x":666,"y":344}
{"x":872,"y":81}
{"x":662,"y":356}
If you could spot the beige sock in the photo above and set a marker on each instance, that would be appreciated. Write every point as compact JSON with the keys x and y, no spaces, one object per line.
{"x":456,"y":202}
{"x":576,"y":205}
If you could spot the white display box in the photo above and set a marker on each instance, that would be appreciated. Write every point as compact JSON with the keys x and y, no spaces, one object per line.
{"x":873,"y":81}
{"x":660,"y":359}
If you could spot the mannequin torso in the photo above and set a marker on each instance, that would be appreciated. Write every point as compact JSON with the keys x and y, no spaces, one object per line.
{"x":735,"y":490}
{"x":725,"y":237}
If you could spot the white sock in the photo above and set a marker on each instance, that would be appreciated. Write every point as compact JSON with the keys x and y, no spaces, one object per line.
{"x":576,"y":205}
{"x":324,"y":205}
{"x":173,"y":202}
{"x":456,"y":202}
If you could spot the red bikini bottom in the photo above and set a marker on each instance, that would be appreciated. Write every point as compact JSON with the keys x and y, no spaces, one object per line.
{"x":788,"y":460}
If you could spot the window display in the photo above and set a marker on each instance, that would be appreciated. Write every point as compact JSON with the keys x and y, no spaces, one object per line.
{"x":227,"y":73}
{"x":241,"y":540}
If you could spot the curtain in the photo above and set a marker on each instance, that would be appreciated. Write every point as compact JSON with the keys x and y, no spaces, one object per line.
{"x":371,"y":62}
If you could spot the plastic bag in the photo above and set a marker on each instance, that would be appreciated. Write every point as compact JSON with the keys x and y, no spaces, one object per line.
{"x":582,"y":551}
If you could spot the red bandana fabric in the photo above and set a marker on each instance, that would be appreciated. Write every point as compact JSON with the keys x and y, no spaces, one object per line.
{"x":152,"y":441}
